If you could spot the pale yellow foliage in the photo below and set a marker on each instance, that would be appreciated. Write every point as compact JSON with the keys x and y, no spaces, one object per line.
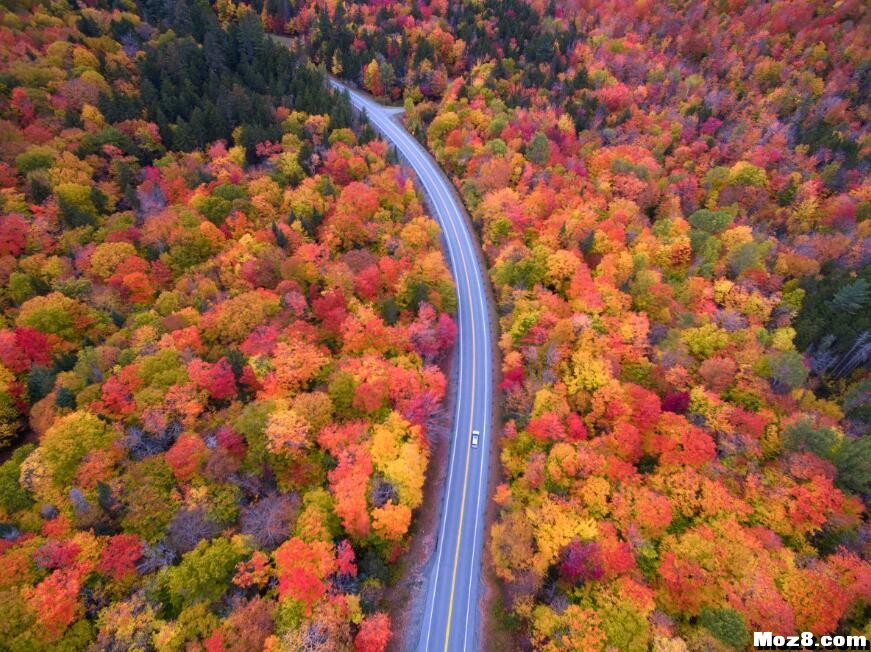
{"x":555,"y":524}
{"x":586,"y":372}
{"x":108,"y":255}
{"x":561,"y":266}
{"x":398,"y":455}
{"x":285,"y":431}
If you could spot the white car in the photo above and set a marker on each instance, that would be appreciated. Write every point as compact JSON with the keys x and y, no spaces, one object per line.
{"x":475,"y":435}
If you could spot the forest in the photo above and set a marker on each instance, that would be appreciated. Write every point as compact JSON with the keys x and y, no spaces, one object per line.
{"x":224,"y":317}
{"x":674,"y":201}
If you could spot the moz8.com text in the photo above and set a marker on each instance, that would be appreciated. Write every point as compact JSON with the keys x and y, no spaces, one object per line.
{"x":807,"y":641}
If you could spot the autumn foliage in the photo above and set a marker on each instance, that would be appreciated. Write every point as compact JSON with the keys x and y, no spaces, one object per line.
{"x":675,"y":466}
{"x":223,"y":325}
{"x":225,"y":311}
{"x":674,"y":203}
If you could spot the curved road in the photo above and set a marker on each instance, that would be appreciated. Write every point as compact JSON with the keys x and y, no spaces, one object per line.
{"x":450,"y":619}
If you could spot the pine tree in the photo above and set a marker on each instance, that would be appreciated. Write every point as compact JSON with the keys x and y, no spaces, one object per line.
{"x":851,"y":298}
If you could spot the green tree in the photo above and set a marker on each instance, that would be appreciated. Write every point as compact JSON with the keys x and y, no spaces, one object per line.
{"x":341,"y":392}
{"x":710,"y":221}
{"x":76,"y":204}
{"x":69,"y":439}
{"x":538,"y":150}
{"x":58,"y":315}
{"x":627,"y":629}
{"x":727,"y":625}
{"x":215,"y":209}
{"x":13,"y":497}
{"x":40,"y":382}
{"x":148,"y":497}
{"x":804,"y":436}
{"x":202,"y":576}
{"x":8,"y":417}
{"x":34,"y":158}
{"x":851,"y":298}
{"x":788,"y":370}
{"x":854,"y":465}
{"x":746,"y":256}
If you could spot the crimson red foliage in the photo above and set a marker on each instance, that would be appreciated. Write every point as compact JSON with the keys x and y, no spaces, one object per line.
{"x":120,"y":555}
{"x":581,"y":560}
{"x":13,"y":234}
{"x":374,"y":634}
{"x":186,"y":455}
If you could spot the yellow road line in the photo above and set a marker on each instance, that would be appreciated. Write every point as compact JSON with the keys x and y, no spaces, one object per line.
{"x":471,"y":420}
{"x":468,"y":451}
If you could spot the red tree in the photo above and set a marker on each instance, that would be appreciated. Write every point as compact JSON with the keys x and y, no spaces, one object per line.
{"x":345,"y":559}
{"x":120,"y":555}
{"x":186,"y":455}
{"x":217,"y":379}
{"x":581,"y":560}
{"x":13,"y":234}
{"x":374,"y":634}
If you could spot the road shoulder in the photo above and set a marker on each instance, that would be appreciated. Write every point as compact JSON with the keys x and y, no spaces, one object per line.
{"x":407,"y":598}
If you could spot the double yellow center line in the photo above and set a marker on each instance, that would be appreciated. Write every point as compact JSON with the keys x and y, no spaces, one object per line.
{"x":472,"y":308}
{"x":468,"y":450}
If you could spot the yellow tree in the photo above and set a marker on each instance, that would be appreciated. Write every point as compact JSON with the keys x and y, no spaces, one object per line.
{"x":391,"y":521}
{"x":398,"y":453}
{"x":286,"y":431}
{"x":295,"y":364}
{"x":554,"y":525}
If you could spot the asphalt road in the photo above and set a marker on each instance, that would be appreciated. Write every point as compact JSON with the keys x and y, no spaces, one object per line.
{"x":450,"y":619}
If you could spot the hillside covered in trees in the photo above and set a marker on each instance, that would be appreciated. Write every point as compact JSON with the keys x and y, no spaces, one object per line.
{"x":223,"y":315}
{"x":674,"y":199}
{"x":224,"y":310}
